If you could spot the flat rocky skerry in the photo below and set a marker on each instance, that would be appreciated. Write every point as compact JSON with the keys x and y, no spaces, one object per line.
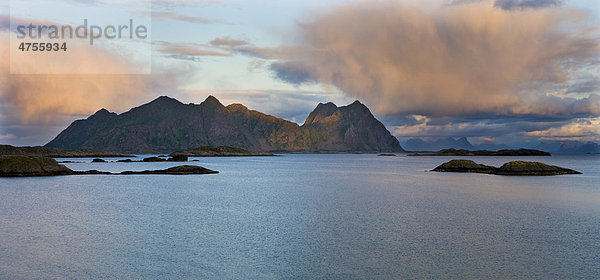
{"x":513,"y":168}
{"x":33,"y":166}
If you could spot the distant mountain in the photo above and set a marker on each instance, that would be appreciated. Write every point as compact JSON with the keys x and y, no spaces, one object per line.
{"x":167,"y":125}
{"x":554,"y":147}
{"x":491,"y":146}
{"x":417,"y":144}
{"x":467,"y":153}
{"x":569,"y":147}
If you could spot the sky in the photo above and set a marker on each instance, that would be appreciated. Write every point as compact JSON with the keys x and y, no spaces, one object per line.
{"x":507,"y":71}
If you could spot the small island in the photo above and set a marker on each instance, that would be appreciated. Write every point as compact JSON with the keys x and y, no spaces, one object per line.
{"x":32,"y":166}
{"x":177,"y":170}
{"x":461,"y":152}
{"x":221,"y":151}
{"x":513,"y":168}
{"x":177,"y":158}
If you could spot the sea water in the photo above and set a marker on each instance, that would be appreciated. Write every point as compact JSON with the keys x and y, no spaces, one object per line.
{"x":304,"y":217}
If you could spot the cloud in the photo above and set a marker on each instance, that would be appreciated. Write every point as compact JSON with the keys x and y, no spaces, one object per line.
{"x":405,"y":58}
{"x":521,"y":4}
{"x":586,"y":129}
{"x":512,"y":4}
{"x":184,"y":3}
{"x":5,"y":22}
{"x":236,"y":46}
{"x":243,"y":47}
{"x":7,"y":136}
{"x":86,"y":2}
{"x":293,"y":72}
{"x":292,"y":105}
{"x":186,"y":51}
{"x":592,"y":85}
{"x":31,"y":103}
{"x":515,"y":131}
{"x":177,"y":16}
{"x":551,"y":105}
{"x":462,"y":2}
{"x":35,"y":108}
{"x":264,"y":52}
{"x":228,"y":42}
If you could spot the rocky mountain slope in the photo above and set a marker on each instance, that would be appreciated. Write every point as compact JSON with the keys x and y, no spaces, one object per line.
{"x":166,"y":125}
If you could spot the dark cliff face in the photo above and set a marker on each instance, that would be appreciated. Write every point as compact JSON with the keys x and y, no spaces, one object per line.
{"x":322,"y":111}
{"x":349,"y":128}
{"x":166,"y":125}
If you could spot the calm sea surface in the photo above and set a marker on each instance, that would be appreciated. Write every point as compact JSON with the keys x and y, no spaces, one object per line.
{"x":304,"y":217}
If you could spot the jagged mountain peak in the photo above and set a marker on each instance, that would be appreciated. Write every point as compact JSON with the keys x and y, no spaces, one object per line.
{"x":155,"y":109}
{"x":356,"y":102}
{"x":328,"y":104}
{"x":165,"y":100}
{"x":356,"y":106}
{"x":211,"y":100}
{"x":463,"y":140}
{"x":160,"y":104}
{"x":322,"y":111}
{"x":101,"y":114}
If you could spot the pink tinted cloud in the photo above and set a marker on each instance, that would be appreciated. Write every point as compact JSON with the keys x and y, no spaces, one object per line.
{"x":405,"y":58}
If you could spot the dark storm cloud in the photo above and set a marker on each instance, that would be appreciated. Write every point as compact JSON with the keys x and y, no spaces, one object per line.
{"x":512,"y":4}
{"x":293,"y":72}
{"x":522,"y":4}
{"x":585,"y":87}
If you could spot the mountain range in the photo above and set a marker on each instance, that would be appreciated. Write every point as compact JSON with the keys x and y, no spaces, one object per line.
{"x":417,"y":144}
{"x":554,"y":147}
{"x":166,"y":125}
{"x":568,"y":147}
